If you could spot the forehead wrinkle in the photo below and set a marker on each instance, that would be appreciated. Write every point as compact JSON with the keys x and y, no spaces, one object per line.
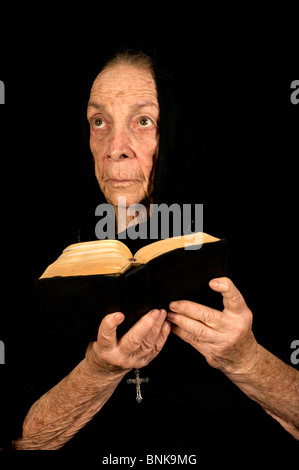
{"x":119,"y":86}
{"x":141,"y":96}
{"x":104,"y":88}
{"x":137,"y":106}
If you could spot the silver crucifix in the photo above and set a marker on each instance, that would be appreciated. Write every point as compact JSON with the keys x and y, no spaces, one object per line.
{"x":137,"y":381}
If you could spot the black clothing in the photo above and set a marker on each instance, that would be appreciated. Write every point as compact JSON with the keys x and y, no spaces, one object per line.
{"x":188,"y":407}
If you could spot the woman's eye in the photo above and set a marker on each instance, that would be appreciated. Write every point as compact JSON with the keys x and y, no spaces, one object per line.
{"x":99,"y":123}
{"x":145,"y":122}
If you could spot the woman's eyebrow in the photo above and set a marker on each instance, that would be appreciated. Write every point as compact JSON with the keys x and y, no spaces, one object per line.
{"x":102,"y":108}
{"x":144,"y":104}
{"x":98,"y":106}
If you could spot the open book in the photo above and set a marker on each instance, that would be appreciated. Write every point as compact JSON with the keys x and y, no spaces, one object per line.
{"x":114,"y":257}
{"x":91,"y":279}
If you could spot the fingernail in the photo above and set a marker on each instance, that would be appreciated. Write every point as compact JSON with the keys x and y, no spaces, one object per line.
{"x":173,"y":305}
{"x":155,"y":313}
{"x":118,"y":316}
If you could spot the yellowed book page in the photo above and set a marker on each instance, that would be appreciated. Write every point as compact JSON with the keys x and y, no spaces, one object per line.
{"x":155,"y":249}
{"x":98,"y":257}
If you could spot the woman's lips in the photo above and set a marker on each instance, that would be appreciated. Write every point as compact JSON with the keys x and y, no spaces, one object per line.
{"x":121,"y":181}
{"x":117,"y":182}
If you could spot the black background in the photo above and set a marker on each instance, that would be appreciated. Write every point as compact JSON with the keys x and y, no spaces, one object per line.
{"x":241,"y":75}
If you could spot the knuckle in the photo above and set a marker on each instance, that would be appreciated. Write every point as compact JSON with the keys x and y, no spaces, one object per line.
{"x":235,"y":302}
{"x":104,"y":332}
{"x":180,"y":320}
{"x":209,"y":315}
{"x":146,"y":344}
{"x":191,"y":338}
{"x":104,"y":337}
{"x":105,"y":327}
{"x":195,"y":340}
{"x":200,"y":329}
{"x":134,"y":341}
{"x":236,"y":298}
{"x":242,"y":328}
{"x":194,"y":337}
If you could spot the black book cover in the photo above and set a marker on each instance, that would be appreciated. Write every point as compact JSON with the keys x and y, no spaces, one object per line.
{"x":72,"y":307}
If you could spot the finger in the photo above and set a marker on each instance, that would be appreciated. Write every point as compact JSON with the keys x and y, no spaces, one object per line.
{"x":232,"y":298}
{"x":191,"y":330}
{"x":207,"y":315}
{"x":107,"y":330}
{"x":144,"y":333}
{"x":197,"y":337}
{"x":164,"y":333}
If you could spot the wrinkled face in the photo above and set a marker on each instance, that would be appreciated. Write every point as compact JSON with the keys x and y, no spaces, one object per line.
{"x":123,"y":113}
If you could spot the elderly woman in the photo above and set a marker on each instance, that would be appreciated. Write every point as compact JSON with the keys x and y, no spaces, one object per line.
{"x":194,"y":400}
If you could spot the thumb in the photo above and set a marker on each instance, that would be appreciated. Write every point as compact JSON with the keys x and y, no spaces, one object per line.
{"x":107,"y":329}
{"x":232,"y":297}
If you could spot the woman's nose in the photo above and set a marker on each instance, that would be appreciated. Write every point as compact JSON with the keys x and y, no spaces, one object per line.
{"x":119,"y":145}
